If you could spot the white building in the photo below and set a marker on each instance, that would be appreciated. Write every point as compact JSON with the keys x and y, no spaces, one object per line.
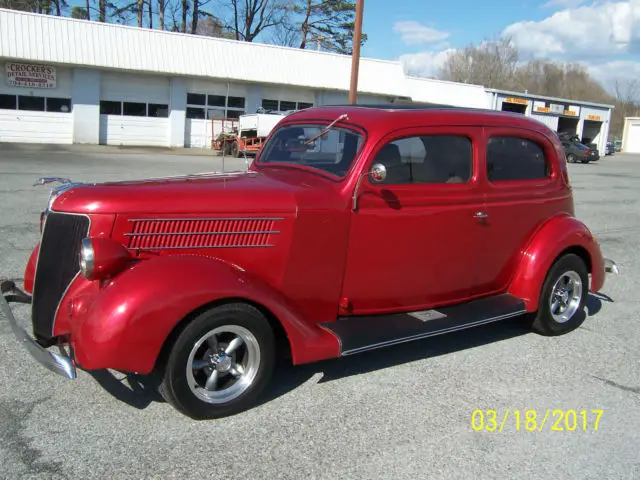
{"x":589,"y":121}
{"x":631,"y":135}
{"x":75,"y":81}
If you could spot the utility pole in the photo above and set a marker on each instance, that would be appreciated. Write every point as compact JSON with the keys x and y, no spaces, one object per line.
{"x":355,"y":55}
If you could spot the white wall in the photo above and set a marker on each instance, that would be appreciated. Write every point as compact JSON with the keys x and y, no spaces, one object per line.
{"x":631,"y":135}
{"x":427,"y":90}
{"x":86,"y":105}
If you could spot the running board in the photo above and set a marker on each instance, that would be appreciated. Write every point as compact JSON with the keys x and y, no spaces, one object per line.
{"x":362,"y":333}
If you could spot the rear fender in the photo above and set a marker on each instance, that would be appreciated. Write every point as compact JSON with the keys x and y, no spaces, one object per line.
{"x":30,"y":269}
{"x":562,"y":234}
{"x":127,"y":325}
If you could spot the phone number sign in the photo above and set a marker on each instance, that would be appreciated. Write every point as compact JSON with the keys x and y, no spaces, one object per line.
{"x":30,"y":75}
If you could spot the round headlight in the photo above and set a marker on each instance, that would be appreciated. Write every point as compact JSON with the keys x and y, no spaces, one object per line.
{"x":87,"y":258}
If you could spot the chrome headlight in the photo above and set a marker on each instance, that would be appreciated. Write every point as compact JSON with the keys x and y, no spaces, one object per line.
{"x":87,"y":258}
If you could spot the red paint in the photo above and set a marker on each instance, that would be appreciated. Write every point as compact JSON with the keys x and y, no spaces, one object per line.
{"x":110,"y":258}
{"x":132,"y":316}
{"x":406,"y":246}
{"x":30,"y":269}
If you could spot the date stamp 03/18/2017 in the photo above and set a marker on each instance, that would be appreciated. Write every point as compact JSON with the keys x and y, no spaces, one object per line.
{"x":555,"y":420}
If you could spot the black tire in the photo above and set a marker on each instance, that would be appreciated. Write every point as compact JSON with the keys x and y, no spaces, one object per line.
{"x":544,"y":321}
{"x":571,"y":158}
{"x":175,"y":384}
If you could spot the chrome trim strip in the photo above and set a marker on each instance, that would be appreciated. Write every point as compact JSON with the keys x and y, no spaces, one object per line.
{"x":60,"y":364}
{"x":189,"y":219}
{"x":196,"y":247}
{"x":256,"y":232}
{"x":431,"y":334}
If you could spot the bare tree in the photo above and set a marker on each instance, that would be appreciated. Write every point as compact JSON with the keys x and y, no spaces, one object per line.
{"x":250,"y":18}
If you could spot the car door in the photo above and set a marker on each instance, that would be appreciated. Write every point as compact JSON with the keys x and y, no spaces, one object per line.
{"x":524,"y":188}
{"x":412,"y":240}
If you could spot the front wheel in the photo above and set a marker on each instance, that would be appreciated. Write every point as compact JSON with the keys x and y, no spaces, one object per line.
{"x":220,"y":363}
{"x":563,"y":297}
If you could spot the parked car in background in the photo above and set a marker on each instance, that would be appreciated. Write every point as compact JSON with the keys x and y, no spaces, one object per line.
{"x":577,"y":152}
{"x":610,"y":148}
{"x":355,"y":228}
{"x":617,"y":145}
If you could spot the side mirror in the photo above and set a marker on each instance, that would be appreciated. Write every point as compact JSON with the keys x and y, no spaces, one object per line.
{"x":378,"y":172}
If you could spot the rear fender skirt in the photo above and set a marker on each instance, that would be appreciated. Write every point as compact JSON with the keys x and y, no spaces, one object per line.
{"x":129,"y":321}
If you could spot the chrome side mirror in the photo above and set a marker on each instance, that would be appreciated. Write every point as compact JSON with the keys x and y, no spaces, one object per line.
{"x":378,"y":172}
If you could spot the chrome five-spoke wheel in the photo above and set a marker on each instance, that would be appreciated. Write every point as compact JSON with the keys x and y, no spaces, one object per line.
{"x":566,"y":297}
{"x":223,"y":363}
{"x":220,"y":362}
{"x":563,"y":296}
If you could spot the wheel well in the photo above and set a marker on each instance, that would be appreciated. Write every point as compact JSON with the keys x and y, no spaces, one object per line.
{"x":580,"y":252}
{"x":282,"y":340}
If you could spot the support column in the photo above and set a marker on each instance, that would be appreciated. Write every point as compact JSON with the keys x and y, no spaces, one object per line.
{"x":85,"y":96}
{"x":177,"y":112}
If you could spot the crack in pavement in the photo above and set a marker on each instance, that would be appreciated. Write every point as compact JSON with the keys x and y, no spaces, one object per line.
{"x":12,"y":424}
{"x":625,"y":388}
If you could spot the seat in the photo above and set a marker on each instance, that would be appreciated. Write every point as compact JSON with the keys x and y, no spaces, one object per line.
{"x":390,"y":157}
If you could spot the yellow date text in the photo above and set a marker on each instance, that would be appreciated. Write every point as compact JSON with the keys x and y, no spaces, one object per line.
{"x":555,"y":420}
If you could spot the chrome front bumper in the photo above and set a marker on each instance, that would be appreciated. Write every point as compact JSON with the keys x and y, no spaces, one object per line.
{"x":611,"y":267}
{"x":61,"y":363}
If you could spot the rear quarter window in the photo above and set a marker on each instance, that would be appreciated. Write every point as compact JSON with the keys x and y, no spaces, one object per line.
{"x":516,"y":158}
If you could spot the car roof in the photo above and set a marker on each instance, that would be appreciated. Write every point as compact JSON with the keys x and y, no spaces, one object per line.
{"x":382,"y":116}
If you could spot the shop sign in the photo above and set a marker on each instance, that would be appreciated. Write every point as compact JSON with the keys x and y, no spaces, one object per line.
{"x":520,"y":101}
{"x":571,"y":113}
{"x":30,"y":75}
{"x":543,"y":109}
{"x":593,"y":117}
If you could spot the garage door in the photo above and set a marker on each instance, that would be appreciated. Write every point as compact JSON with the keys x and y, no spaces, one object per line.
{"x":134,"y":110}
{"x":633,"y":138}
{"x":35,"y":119}
{"x":36,"y":127}
{"x":550,"y":121}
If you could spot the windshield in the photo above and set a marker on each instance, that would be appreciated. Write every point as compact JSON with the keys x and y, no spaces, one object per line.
{"x":333,"y":152}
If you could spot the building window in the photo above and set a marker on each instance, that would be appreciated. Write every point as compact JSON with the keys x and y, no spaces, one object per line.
{"x":35,"y":104}
{"x":427,"y":159}
{"x":204,"y":105}
{"x":283,"y":105}
{"x":134,"y":109}
{"x":8,"y":102}
{"x":515,"y":158}
{"x":158,"y":110}
{"x":58,"y":104}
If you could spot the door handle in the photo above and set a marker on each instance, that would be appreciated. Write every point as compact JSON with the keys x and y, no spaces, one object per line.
{"x":480,"y":215}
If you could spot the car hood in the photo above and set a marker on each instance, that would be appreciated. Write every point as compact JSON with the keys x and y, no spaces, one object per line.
{"x":243,"y":192}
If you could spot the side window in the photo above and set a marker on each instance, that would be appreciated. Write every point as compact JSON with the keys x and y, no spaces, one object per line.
{"x":515,"y":158}
{"x":427,"y":159}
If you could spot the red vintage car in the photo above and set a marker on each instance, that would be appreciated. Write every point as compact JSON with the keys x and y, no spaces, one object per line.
{"x":355,"y":228}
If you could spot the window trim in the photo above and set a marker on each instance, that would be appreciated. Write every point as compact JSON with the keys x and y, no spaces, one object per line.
{"x":279,"y":102}
{"x":531,"y":135}
{"x":146,"y":109}
{"x":474,"y":134}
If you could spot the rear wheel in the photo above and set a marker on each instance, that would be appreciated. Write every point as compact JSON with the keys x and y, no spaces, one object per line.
{"x":220,"y":363}
{"x":563,"y":297}
{"x":571,"y":158}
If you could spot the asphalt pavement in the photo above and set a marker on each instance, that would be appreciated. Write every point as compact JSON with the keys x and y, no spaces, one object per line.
{"x":401,"y":412}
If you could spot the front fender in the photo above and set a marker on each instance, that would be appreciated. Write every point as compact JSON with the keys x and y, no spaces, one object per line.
{"x":129,"y":321}
{"x":555,"y":237}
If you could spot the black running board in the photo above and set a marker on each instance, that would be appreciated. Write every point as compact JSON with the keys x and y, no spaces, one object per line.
{"x":362,"y":333}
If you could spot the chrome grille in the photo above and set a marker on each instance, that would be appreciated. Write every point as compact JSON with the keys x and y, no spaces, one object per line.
{"x":58,"y":264}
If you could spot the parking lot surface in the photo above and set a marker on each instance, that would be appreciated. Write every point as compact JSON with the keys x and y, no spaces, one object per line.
{"x":400,"y":412}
